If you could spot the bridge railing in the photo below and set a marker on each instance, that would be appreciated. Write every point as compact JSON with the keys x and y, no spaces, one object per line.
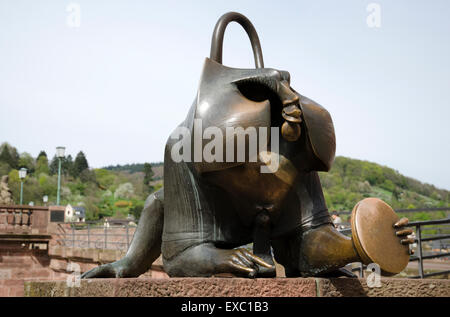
{"x":438,"y":232}
{"x":443,"y":236}
{"x":23,"y":219}
{"x":114,"y":234}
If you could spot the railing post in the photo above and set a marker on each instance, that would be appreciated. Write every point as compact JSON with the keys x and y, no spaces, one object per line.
{"x":419,"y":244}
{"x":73,"y":235}
{"x":89,"y":235}
{"x":29,"y":218}
{"x":106,"y":237}
{"x":128,"y":240}
{"x":21,"y":217}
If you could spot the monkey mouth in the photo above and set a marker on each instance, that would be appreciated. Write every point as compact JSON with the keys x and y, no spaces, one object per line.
{"x":290,"y":129}
{"x":292,"y":113}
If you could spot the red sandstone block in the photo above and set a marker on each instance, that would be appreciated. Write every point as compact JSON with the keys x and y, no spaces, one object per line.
{"x":90,"y":254}
{"x":40,"y":261}
{"x":12,"y":259}
{"x":77,"y":253}
{"x":4,"y":291}
{"x":13,"y":282}
{"x":21,"y":273}
{"x":217,"y":287}
{"x":5,"y":266}
{"x":17,"y":291}
{"x":40,"y":273}
{"x":159,"y":274}
{"x":84,"y":267}
{"x":58,"y":265}
{"x":389,"y":287}
{"x":57,"y":276}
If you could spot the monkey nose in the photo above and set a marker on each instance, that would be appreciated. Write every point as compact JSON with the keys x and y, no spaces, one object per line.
{"x":287,"y":96}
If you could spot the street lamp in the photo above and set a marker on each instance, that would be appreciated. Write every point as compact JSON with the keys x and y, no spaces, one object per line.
{"x":22,"y":175}
{"x":60,"y":154}
{"x":45,"y":200}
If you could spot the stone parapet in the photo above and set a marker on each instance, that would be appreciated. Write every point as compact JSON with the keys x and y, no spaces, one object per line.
{"x":239,"y":287}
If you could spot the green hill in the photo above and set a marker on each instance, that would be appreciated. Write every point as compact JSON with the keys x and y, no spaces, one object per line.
{"x":121,"y":190}
{"x":351,"y":180}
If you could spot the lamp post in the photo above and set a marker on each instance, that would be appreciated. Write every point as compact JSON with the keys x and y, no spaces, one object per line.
{"x":22,"y":175}
{"x":45,"y":200}
{"x":60,"y":154}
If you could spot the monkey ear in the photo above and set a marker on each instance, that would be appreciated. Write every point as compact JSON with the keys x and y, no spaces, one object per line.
{"x":320,"y":131}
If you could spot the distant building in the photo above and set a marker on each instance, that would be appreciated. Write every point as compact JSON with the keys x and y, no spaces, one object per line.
{"x":74,"y":214}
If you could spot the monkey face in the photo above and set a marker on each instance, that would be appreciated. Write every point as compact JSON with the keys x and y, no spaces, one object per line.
{"x":231,"y":98}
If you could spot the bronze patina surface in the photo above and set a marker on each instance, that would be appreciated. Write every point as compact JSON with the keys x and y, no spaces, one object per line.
{"x":371,"y":218}
{"x":208,"y":210}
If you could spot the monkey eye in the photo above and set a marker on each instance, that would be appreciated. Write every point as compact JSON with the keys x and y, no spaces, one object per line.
{"x":257,"y":89}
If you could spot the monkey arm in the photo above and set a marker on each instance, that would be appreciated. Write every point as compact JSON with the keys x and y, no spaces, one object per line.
{"x":145,"y":246}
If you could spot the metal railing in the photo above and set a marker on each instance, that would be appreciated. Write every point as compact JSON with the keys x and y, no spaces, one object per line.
{"x":442,"y":235}
{"x":115,"y":234}
{"x":413,"y":210}
{"x":431,"y":237}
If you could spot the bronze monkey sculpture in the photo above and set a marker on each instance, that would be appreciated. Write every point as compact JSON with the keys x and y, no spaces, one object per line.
{"x":208,"y":209}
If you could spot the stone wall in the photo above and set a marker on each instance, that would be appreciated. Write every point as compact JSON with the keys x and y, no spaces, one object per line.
{"x":19,"y":262}
{"x":239,"y":287}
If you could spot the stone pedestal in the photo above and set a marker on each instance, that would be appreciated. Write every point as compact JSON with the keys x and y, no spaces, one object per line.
{"x":239,"y":287}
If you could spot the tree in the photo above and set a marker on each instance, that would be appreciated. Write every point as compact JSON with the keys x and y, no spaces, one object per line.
{"x":148,"y":173}
{"x":53,"y":167}
{"x":88,"y":176}
{"x":41,"y":153}
{"x":80,"y":164}
{"x":27,"y":161}
{"x":67,"y":165}
{"x":42,"y":164}
{"x":5,"y":156}
{"x":124,"y":191}
{"x":9,"y":155}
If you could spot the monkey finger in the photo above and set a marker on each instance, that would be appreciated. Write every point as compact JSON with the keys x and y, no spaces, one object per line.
{"x":401,"y":223}
{"x":247,"y":255}
{"x":235,"y":259}
{"x":240,"y":269}
{"x":257,"y":259}
{"x":404,"y":232}
{"x":99,"y":272}
{"x":247,"y":262}
{"x":407,"y":241}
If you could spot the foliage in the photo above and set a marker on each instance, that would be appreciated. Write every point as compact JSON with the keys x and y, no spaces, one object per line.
{"x":27,"y":161}
{"x":9,"y":155}
{"x":80,"y":164}
{"x":122,"y":203}
{"x":42,"y":164}
{"x":117,"y":191}
{"x":133,"y":168}
{"x":125,"y":190}
{"x":351,"y":180}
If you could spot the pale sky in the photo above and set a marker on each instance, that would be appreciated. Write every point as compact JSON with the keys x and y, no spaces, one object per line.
{"x":116,"y":86}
